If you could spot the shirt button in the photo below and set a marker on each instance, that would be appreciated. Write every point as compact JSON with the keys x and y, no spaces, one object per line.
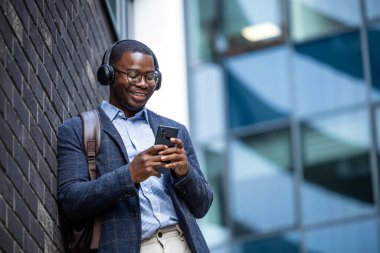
{"x":159,"y":234}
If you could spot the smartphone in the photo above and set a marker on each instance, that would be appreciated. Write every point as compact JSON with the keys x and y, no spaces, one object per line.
{"x":164,"y":133}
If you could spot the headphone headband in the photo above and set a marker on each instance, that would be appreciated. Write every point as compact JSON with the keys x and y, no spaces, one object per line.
{"x":106,"y":73}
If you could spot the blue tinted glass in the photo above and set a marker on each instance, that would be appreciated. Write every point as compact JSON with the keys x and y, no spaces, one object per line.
{"x":258,"y":87}
{"x":212,"y":160}
{"x":374,"y":56}
{"x":262,"y":182}
{"x":337,"y":174}
{"x":329,"y":74}
{"x":314,"y":19}
{"x":286,"y":244}
{"x":356,"y":237}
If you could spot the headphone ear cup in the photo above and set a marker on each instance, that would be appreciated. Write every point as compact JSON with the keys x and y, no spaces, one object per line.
{"x":158,"y":85}
{"x":106,"y":74}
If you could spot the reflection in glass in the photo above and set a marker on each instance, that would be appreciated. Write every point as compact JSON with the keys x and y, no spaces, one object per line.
{"x":361,"y":236}
{"x":312,"y":19}
{"x":212,"y":158}
{"x":329,"y":74}
{"x":258,"y":87}
{"x":337,"y":175}
{"x":288,"y":243}
{"x":208,"y":108}
{"x":249,"y":23}
{"x":262,"y":194}
{"x":374,"y":57}
{"x":372,"y":10}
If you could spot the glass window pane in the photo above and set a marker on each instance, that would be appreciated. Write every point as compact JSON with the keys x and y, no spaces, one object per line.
{"x":288,"y":243}
{"x":312,"y":19}
{"x":258,"y":87}
{"x":373,"y":10}
{"x":337,"y":174}
{"x":361,"y":236}
{"x":250,"y":23}
{"x":328,"y":74}
{"x":207,"y":101}
{"x":212,"y":159}
{"x":374,"y":56}
{"x":262,"y":193}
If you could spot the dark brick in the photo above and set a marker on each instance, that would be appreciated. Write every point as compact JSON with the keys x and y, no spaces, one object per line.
{"x":51,"y":114}
{"x":41,"y":5}
{"x":2,"y":209}
{"x":2,"y":104}
{"x":13,"y":122}
{"x":61,"y":11}
{"x":21,"y":109}
{"x":6,"y":135}
{"x":6,"y":188}
{"x":5,"y":240}
{"x":30,"y":51}
{"x":3,"y":155}
{"x":37,"y":232}
{"x":2,"y":50}
{"x":30,"y":198}
{"x":15,"y":227}
{"x":50,"y":65}
{"x":32,"y":10}
{"x":51,"y":205}
{"x":14,"y":72}
{"x":21,"y":210}
{"x":29,"y":244}
{"x":36,"y":40}
{"x":32,"y":146}
{"x":36,"y":87}
{"x":44,"y":171}
{"x":20,"y":157}
{"x":51,"y":159}
{"x":20,"y":58}
{"x":30,"y":149}
{"x":45,"y":79}
{"x":6,"y":30}
{"x":6,"y":83}
{"x":36,"y":181}
{"x":14,"y":174}
{"x":21,"y":12}
{"x":44,"y":124}
{"x":30,"y":100}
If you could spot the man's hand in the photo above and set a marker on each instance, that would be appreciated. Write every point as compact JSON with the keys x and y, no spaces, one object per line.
{"x":175,"y":158}
{"x":147,"y":163}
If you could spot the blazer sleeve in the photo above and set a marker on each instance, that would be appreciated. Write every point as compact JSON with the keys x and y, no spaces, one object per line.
{"x":193,"y":188}
{"x":79,"y":197}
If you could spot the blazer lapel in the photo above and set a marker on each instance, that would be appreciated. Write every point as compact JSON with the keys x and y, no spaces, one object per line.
{"x":110,"y":130}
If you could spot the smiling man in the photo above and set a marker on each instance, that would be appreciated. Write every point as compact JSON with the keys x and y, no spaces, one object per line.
{"x":141,"y":210}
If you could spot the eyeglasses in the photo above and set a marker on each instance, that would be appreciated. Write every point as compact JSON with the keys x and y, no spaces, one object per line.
{"x":135,"y":76}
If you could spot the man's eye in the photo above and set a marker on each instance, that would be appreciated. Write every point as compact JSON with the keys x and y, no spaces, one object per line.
{"x":150,"y":76}
{"x":133,"y":75}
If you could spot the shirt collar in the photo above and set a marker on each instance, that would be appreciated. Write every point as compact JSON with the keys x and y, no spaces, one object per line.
{"x":112,"y":112}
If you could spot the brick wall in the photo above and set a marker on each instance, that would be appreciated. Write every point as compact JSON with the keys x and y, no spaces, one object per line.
{"x":49,"y":54}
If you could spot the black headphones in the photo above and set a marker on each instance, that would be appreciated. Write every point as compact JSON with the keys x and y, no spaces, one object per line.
{"x":106,"y":73}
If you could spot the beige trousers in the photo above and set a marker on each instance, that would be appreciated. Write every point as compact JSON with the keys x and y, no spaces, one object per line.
{"x":166,"y":240}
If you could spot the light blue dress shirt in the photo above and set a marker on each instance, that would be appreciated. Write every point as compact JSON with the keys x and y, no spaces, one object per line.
{"x":156,"y":206}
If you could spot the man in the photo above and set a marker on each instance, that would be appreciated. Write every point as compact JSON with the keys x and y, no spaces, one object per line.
{"x":141,"y":210}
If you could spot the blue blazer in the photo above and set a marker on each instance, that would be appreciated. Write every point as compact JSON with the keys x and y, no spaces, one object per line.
{"x":114,"y":197}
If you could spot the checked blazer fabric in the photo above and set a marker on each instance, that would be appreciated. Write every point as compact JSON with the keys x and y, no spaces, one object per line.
{"x":114,"y":197}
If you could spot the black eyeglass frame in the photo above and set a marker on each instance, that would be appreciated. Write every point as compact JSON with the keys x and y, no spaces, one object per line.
{"x":156,"y":76}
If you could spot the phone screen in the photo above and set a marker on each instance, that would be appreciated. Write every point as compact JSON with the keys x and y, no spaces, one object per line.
{"x":164,"y":133}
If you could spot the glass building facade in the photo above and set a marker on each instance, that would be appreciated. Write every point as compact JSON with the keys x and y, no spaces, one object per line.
{"x":285,"y":115}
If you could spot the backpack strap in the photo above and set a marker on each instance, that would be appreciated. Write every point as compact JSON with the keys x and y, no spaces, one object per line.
{"x":91,"y":143}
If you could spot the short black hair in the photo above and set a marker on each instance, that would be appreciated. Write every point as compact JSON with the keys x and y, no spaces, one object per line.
{"x":131,"y":46}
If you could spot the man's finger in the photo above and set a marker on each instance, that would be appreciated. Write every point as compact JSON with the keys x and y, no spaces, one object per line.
{"x":153,"y":150}
{"x":177,"y":141}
